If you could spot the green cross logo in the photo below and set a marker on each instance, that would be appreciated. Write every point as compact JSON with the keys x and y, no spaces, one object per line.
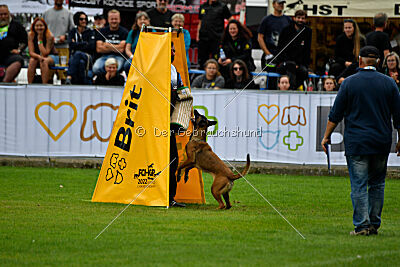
{"x":293,"y":140}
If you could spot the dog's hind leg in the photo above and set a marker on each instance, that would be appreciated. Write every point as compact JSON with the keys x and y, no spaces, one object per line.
{"x":217,"y":195}
{"x":228,"y":203}
{"x":219,"y":199}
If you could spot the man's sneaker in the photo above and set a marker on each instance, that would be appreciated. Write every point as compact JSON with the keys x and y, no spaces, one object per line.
{"x":68,"y":81}
{"x":372,"y":230}
{"x":173,"y":203}
{"x":362,"y":232}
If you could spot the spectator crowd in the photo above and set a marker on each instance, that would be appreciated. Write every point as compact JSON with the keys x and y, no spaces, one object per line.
{"x":102,"y":54}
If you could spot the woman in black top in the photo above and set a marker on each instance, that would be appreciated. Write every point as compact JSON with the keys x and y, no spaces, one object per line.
{"x":82,"y":46}
{"x":236,"y":44}
{"x":111,"y":77}
{"x":348,"y":45}
{"x":240,"y":78}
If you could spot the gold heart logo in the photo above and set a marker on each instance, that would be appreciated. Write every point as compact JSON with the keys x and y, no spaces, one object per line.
{"x":55,"y":137}
{"x":268,"y":107}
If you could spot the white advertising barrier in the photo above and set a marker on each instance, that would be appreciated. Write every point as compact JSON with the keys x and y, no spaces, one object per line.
{"x":286,"y":127}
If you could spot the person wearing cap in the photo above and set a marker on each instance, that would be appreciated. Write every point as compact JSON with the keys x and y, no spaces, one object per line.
{"x":368,"y":101}
{"x":99,"y":22}
{"x":111,"y":77}
{"x":270,"y":28}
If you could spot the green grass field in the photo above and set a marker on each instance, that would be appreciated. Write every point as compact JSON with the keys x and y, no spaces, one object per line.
{"x":42,"y":223}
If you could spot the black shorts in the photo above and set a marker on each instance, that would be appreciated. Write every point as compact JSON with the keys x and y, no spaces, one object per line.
{"x":11,"y":58}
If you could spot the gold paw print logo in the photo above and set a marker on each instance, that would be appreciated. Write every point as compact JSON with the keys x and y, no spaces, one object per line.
{"x":116,"y":165}
{"x":93,"y":124}
{"x":54,"y":136}
{"x":294,"y":115}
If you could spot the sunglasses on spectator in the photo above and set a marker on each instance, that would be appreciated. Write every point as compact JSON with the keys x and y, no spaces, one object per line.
{"x":82,"y":19}
{"x":238,"y":68}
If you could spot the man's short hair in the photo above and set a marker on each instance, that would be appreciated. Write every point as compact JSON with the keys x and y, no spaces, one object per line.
{"x":380,"y":19}
{"x":4,"y":6}
{"x":369,"y":61}
{"x":113,"y":11}
{"x":300,"y":13}
{"x":98,"y":16}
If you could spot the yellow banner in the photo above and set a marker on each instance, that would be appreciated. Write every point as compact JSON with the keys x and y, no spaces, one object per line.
{"x":193,"y":190}
{"x":136,"y":166}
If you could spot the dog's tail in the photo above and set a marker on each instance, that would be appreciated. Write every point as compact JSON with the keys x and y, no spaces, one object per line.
{"x":244,"y":172}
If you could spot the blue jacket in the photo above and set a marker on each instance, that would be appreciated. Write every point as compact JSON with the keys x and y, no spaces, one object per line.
{"x":367,"y":100}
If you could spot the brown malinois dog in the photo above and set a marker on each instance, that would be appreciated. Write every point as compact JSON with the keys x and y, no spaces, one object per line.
{"x":201,"y":156}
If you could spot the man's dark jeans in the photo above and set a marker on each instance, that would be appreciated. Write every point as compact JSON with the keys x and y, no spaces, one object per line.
{"x":79,"y":68}
{"x":367,"y":178}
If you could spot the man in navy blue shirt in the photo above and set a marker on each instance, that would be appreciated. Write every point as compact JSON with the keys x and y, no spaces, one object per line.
{"x":367,"y":100}
{"x":270,"y":28}
{"x":110,"y":42}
